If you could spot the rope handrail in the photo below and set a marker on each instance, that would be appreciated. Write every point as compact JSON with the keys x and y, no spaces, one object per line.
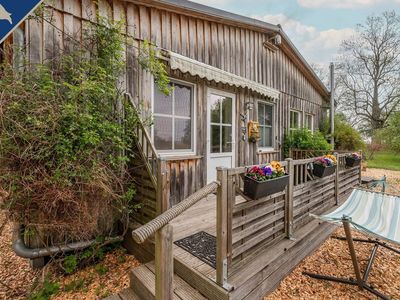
{"x":141,"y":234}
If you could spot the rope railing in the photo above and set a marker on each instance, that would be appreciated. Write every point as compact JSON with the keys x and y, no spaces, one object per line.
{"x":141,"y":234}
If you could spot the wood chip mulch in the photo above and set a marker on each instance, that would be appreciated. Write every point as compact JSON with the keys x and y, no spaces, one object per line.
{"x":17,"y":278}
{"x":333,"y":259}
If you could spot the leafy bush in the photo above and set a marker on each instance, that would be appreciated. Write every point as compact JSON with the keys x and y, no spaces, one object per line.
{"x":304,"y":139}
{"x":346,"y":136}
{"x":66,"y":136}
{"x":46,"y":290}
{"x":390,"y":135}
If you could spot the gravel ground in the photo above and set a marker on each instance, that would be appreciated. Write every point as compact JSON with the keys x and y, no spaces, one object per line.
{"x":333,"y":258}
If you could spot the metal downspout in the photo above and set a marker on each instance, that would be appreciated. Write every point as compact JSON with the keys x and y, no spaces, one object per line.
{"x":22,"y":250}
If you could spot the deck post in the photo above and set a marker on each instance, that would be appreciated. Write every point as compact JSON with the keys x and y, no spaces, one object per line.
{"x":360,"y":171}
{"x":164,"y":263}
{"x":289,"y":200}
{"x":337,"y":178}
{"x":162,"y":186}
{"x":222,"y":228}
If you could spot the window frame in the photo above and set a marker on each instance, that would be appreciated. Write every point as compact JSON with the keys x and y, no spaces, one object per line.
{"x":272,"y":147}
{"x":299,"y":113}
{"x":193,"y":119}
{"x":312,"y":121}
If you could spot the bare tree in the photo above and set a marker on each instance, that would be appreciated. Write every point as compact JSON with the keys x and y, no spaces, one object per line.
{"x":369,"y":72}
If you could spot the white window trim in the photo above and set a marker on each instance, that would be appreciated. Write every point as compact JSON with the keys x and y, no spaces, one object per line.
{"x":272,"y":148}
{"x":312,"y":121}
{"x":178,"y":153}
{"x":300,"y":119}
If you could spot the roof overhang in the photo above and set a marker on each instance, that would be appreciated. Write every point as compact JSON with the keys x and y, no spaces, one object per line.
{"x":204,"y":71}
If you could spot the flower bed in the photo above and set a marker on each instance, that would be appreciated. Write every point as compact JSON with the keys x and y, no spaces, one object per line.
{"x":324,"y":166}
{"x":262,"y":181}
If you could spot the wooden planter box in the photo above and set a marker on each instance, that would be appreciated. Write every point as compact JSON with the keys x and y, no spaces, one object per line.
{"x":257,"y":189}
{"x":352,"y":162}
{"x":321,"y":171}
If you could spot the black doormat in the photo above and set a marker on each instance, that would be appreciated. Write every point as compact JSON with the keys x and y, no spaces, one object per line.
{"x":202,"y":245}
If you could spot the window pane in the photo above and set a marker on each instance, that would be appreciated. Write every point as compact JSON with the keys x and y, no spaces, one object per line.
{"x":261,"y":118}
{"x":294,"y":119}
{"x":267,"y":137}
{"x":215,"y":139}
{"x":268,"y":115}
{"x":163,"y":133}
{"x":183,"y":134}
{"x":226,"y":138}
{"x":162,"y":103}
{"x":227,"y":110}
{"x":183,"y":100}
{"x":215,"y":109}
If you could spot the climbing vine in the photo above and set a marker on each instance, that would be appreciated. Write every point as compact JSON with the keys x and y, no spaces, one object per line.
{"x":66,"y":133}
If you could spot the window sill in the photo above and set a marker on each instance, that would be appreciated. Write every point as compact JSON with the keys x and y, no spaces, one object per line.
{"x":177,"y":157}
{"x":266,"y":150}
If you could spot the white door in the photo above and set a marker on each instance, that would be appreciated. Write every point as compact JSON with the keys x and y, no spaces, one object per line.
{"x":220,"y":132}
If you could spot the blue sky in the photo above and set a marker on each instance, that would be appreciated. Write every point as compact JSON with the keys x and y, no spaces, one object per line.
{"x":316,"y":27}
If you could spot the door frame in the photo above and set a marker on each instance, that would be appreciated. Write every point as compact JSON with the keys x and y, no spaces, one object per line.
{"x":208,"y":142}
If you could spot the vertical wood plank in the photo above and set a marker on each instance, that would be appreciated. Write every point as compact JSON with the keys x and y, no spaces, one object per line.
{"x":164,"y":263}
{"x":289,"y":200}
{"x":222,"y":234}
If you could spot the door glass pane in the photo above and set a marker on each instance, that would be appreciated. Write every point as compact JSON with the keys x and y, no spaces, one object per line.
{"x":215,"y":139}
{"x":162,"y":103}
{"x":163,"y":133}
{"x":183,"y":134}
{"x":183,"y":99}
{"x":215,"y":108}
{"x":226,"y":138}
{"x":226,"y":110}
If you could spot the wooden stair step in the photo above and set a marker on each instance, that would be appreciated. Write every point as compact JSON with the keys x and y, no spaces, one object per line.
{"x":142,"y":281}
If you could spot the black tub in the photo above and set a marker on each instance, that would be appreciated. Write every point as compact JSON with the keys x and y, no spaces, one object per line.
{"x":322,"y":171}
{"x":352,"y":162}
{"x":257,"y":189}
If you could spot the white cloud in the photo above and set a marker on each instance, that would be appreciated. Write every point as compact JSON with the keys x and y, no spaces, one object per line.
{"x":339,"y":3}
{"x":318,"y":46}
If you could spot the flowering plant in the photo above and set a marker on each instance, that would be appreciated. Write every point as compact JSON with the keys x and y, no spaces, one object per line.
{"x":326,"y":160}
{"x":355,"y":155}
{"x":266,"y":172}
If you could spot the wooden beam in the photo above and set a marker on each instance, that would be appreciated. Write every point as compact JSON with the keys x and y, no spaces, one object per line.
{"x":337,"y":179}
{"x":289,"y":200}
{"x":162,"y":186}
{"x":164,"y":261}
{"x":222,"y":228}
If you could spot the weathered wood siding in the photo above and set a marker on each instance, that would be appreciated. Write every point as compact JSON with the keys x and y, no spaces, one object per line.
{"x":235,"y":48}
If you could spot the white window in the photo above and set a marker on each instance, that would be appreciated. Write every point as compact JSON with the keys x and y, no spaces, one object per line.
{"x":173,"y":115}
{"x":309,"y":122}
{"x":265,"y":118}
{"x":294,"y":120}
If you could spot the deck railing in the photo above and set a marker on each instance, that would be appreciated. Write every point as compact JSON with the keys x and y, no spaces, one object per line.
{"x":164,"y":259}
{"x":246,"y":227}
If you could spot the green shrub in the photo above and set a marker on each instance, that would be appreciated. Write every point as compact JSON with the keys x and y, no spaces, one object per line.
{"x":390,"y":135}
{"x":46,"y":290}
{"x":305,"y":139}
{"x":346,"y":136}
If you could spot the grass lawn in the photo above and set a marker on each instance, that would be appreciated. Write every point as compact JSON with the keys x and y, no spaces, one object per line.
{"x":385,"y":160}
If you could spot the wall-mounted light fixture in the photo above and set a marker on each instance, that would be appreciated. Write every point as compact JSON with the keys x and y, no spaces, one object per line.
{"x":248,"y":105}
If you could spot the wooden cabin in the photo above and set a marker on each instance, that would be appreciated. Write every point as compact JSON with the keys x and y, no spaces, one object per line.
{"x":227,"y":71}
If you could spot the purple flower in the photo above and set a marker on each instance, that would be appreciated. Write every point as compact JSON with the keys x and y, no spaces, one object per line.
{"x":268,"y":171}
